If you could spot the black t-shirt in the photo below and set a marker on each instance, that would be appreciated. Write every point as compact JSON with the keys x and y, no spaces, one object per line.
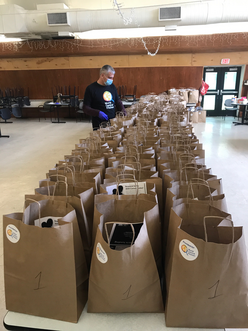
{"x":102,"y":98}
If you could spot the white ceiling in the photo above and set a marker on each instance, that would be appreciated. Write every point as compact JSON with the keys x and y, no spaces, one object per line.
{"x":96,"y":4}
{"x":106,"y":18}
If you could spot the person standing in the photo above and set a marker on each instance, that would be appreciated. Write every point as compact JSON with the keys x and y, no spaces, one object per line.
{"x":101,"y":100}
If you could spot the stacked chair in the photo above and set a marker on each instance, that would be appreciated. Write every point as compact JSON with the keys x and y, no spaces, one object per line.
{"x":12,"y":101}
{"x":133,"y":221}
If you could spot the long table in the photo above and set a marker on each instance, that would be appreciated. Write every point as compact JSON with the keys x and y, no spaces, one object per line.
{"x":127,"y":103}
{"x":92,"y":322}
{"x":1,"y":136}
{"x":244,"y":110}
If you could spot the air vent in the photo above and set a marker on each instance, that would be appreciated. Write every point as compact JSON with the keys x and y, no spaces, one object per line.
{"x":169,"y":14}
{"x":57,"y":19}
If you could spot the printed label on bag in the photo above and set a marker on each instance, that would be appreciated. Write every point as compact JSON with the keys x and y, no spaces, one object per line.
{"x":12,"y":233}
{"x":47,"y":222}
{"x":188,"y":250}
{"x":101,"y":254}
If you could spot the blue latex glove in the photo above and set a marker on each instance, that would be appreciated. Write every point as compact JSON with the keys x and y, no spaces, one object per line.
{"x":102,"y":116}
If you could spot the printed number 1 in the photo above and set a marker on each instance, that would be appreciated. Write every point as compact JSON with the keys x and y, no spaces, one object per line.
{"x":215,"y":292}
{"x":127,"y":292}
{"x":39,"y":279}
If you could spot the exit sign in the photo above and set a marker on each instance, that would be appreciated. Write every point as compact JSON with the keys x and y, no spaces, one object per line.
{"x":225,"y":61}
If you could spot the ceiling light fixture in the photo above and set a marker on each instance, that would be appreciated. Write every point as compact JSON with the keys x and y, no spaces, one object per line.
{"x":3,"y":39}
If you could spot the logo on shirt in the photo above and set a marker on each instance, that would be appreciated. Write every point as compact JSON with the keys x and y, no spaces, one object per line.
{"x":107,"y":96}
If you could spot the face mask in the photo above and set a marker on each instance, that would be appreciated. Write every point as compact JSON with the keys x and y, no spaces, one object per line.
{"x":108,"y":82}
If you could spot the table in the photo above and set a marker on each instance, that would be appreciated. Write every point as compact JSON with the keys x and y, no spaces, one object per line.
{"x":88,"y":322}
{"x":93,"y":322}
{"x":1,"y":136}
{"x":243,"y":114}
{"x":58,"y":105}
{"x":127,"y":103}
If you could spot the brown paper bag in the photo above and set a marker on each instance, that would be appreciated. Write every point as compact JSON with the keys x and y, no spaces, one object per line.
{"x":79,"y":166}
{"x":178,"y":164}
{"x":176,"y":154}
{"x":183,"y":177}
{"x":201,"y":190}
{"x":191,"y":213}
{"x":193,"y":116}
{"x":157,"y":181}
{"x":179,"y":194}
{"x":193,"y":96}
{"x":151,"y":194}
{"x":83,"y":205}
{"x":116,"y":160}
{"x":209,"y":274}
{"x":77,"y":179}
{"x":184,"y":94}
{"x":131,"y":168}
{"x":113,"y":141}
{"x":202,"y":116}
{"x":130,"y":210}
{"x":123,"y":121}
{"x":45,"y":269}
{"x":126,"y":280}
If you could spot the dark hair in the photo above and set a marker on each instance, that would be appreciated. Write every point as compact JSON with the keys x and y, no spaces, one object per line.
{"x":106,"y":68}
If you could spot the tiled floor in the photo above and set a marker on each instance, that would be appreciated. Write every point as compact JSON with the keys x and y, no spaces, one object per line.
{"x":34,"y":147}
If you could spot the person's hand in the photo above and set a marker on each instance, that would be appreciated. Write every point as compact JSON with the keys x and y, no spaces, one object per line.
{"x":102,"y":116}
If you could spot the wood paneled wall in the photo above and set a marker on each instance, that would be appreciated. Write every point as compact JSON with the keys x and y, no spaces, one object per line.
{"x":150,"y":79}
{"x":42,"y":65}
{"x":123,"y":61}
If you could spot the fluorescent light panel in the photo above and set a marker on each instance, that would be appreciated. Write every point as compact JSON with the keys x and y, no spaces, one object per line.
{"x":160,"y":31}
{"x":3,"y":39}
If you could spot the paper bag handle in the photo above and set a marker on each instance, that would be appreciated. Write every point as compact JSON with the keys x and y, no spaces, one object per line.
{"x":119,"y":169}
{"x":201,"y":170}
{"x":79,"y":157}
{"x":130,"y":148}
{"x":65,"y":166}
{"x":206,"y":237}
{"x":129,"y":156}
{"x":202,"y":182}
{"x":221,"y":218}
{"x":29,"y":199}
{"x":122,"y":168}
{"x":66,"y":188}
{"x":186,"y":155}
{"x":82,"y":150}
{"x":50,"y":177}
{"x":185,"y":170}
{"x":71,"y":170}
{"x":133,"y":164}
{"x":84,"y":153}
{"x":124,"y":176}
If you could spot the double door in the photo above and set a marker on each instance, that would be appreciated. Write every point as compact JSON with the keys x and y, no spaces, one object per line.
{"x":223,"y":84}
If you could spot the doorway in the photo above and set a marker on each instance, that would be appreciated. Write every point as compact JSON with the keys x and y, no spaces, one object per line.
{"x":223,"y":84}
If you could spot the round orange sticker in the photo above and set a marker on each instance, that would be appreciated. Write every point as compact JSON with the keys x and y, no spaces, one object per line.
{"x":184,"y":248}
{"x":12,"y":233}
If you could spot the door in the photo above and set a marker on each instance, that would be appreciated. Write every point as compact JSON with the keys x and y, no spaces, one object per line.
{"x":223,"y":84}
